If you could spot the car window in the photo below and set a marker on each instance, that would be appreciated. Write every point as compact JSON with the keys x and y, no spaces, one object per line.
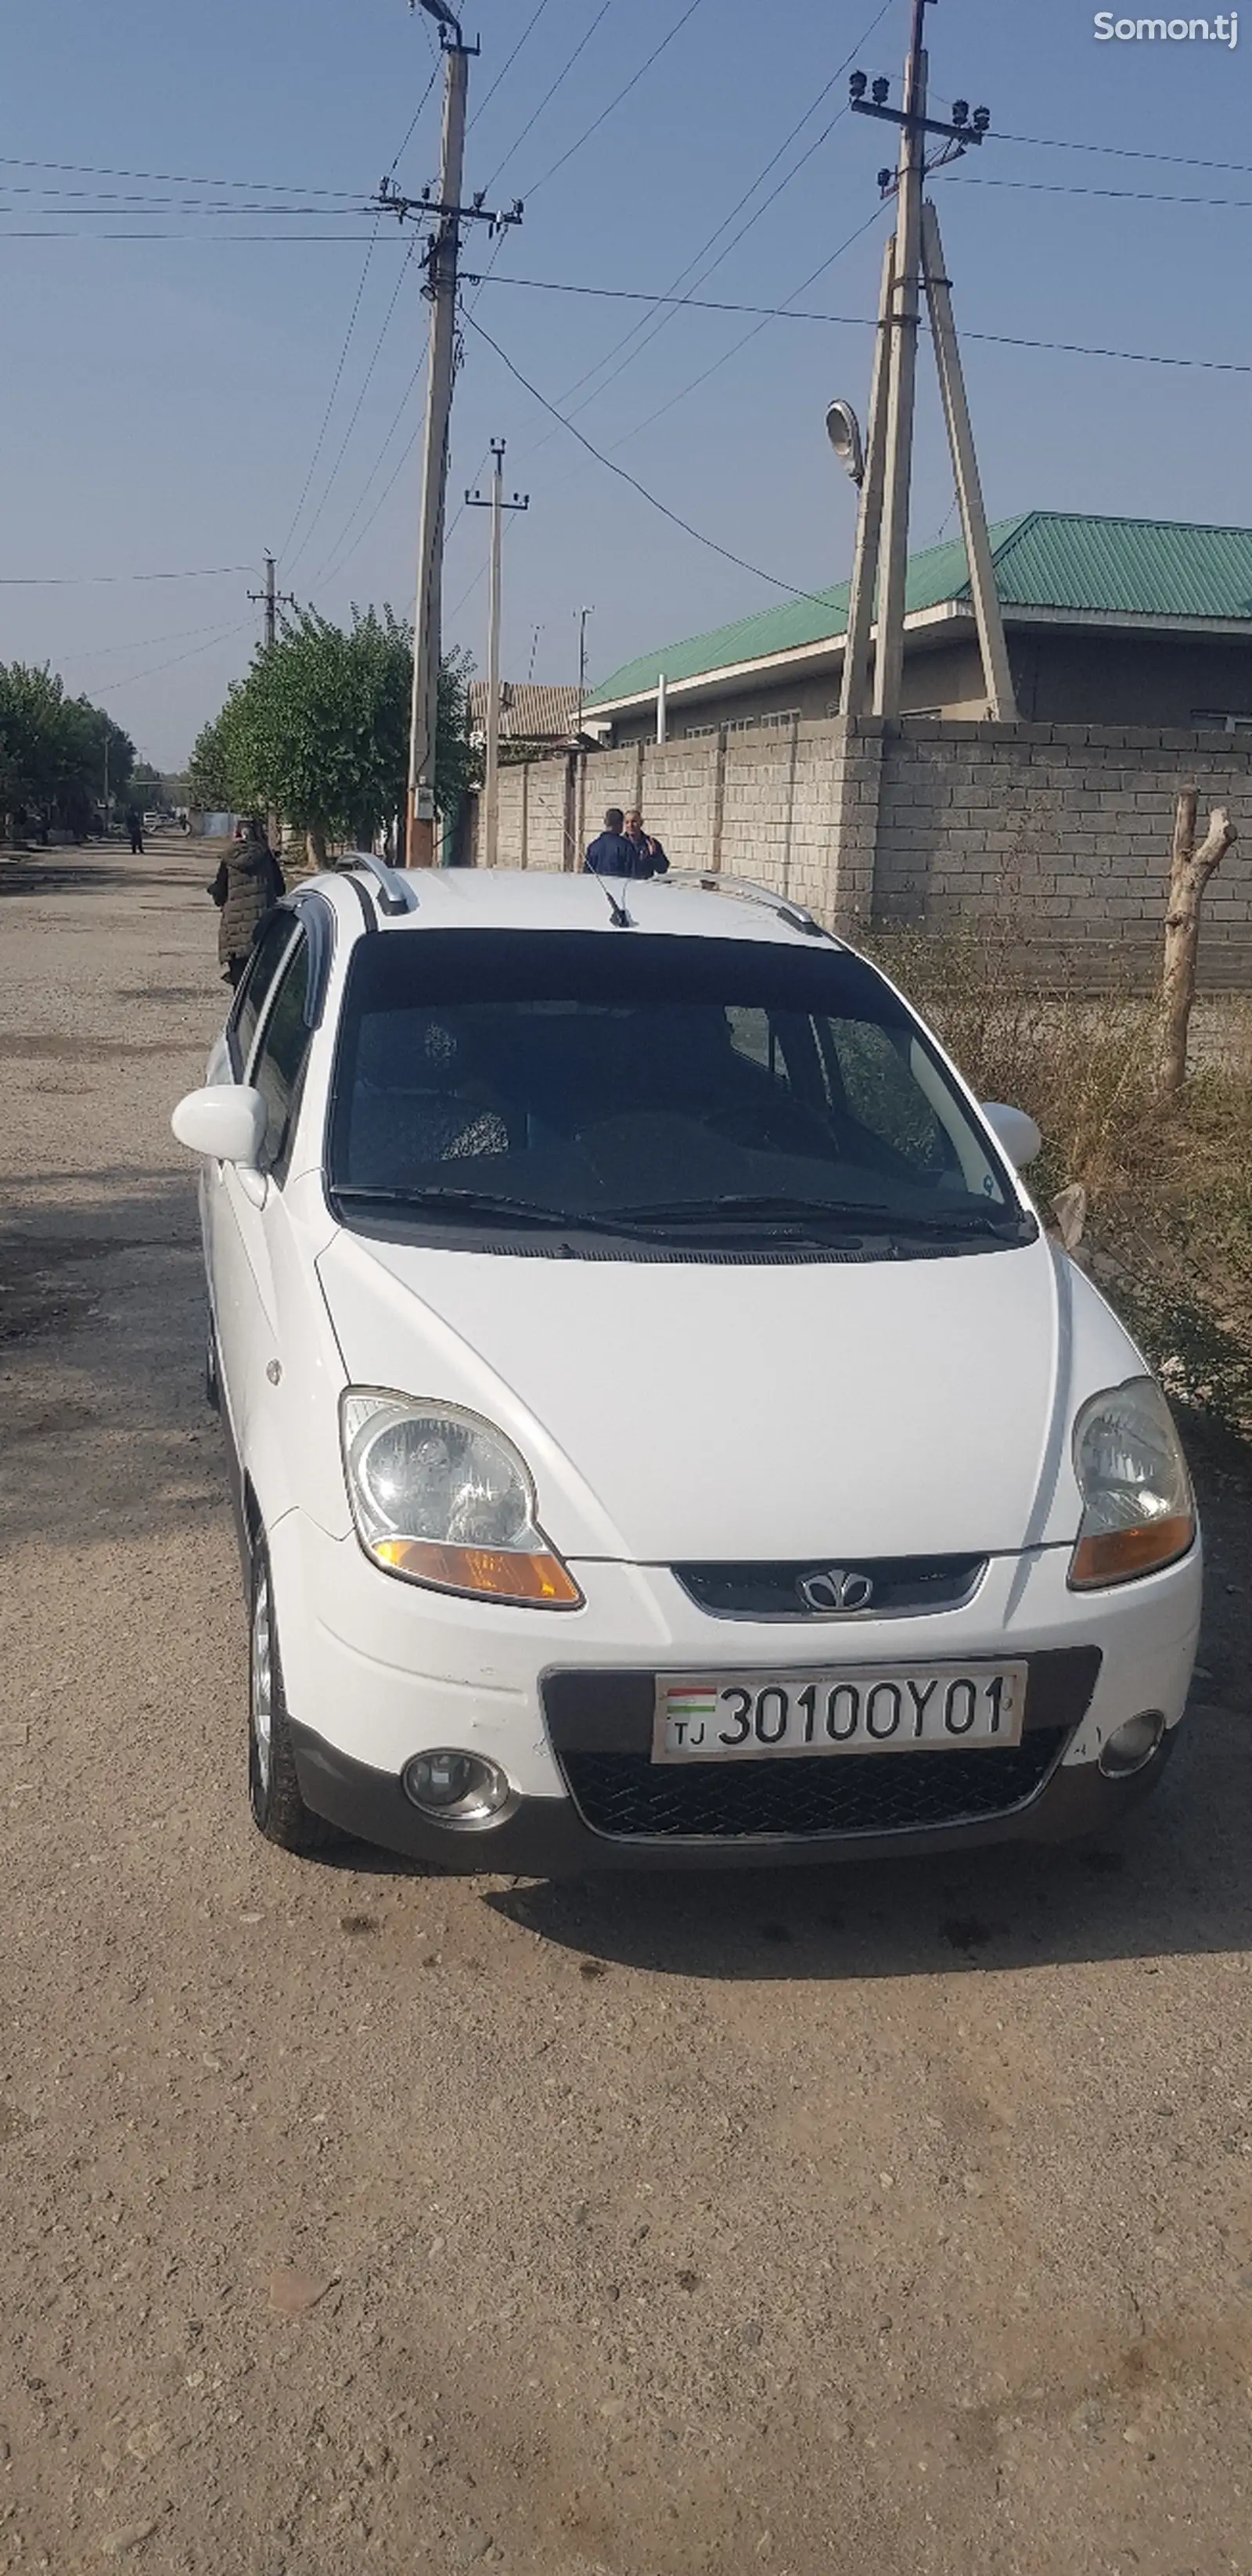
{"x":877,"y":1074}
{"x":280,"y":1058}
{"x":255,"y":985}
{"x":698,"y":1078}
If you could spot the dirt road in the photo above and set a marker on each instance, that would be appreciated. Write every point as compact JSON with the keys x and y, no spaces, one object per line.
{"x":876,"y":2223}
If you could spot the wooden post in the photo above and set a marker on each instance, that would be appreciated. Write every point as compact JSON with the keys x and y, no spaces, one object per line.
{"x":1189,"y":875}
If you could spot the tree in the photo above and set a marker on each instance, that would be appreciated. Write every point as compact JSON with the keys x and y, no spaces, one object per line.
{"x":1190,"y":871}
{"x":53,"y":750}
{"x":318,"y":731}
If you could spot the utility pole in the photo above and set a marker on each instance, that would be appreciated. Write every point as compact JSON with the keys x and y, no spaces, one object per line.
{"x":447,"y":215}
{"x":902,"y":379}
{"x":883,"y":525}
{"x":582,"y":614}
{"x":1001,"y":699}
{"x":496,"y":503}
{"x":869,"y":517}
{"x":271,"y":600}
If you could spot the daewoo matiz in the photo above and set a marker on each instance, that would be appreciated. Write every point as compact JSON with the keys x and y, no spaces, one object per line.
{"x":660,"y":1427}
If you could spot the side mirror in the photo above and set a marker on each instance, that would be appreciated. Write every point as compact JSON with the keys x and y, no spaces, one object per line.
{"x":1015,"y":1131}
{"x":225,"y":1121}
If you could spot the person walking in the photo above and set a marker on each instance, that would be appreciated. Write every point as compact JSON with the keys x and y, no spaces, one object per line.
{"x":248,"y":881}
{"x":134,"y":825}
{"x":611,"y":854}
{"x":650,"y":859}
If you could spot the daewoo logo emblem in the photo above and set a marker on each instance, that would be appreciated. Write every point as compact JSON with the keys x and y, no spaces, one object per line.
{"x":834,"y":1589}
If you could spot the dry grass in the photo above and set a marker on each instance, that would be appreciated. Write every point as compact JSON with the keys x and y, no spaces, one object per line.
{"x":1168,"y":1184}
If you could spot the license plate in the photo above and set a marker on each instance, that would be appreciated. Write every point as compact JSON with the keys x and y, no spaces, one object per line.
{"x":750,"y":1717}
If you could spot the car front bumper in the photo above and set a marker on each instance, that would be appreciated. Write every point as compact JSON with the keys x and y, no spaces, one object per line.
{"x":377,"y":1671}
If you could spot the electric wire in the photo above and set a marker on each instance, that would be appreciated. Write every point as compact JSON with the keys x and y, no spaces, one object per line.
{"x":550,"y":94}
{"x":616,"y":354}
{"x":330,"y":400}
{"x":328,"y":486}
{"x":614,"y":103}
{"x":506,"y":67}
{"x":82,"y":580}
{"x":415,"y":119}
{"x":792,"y":589}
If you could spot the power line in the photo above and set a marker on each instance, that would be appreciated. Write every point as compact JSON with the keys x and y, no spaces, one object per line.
{"x":365,"y":386}
{"x":618,"y":352}
{"x":415,"y":118}
{"x":550,"y":94}
{"x":753,"y":334}
{"x":506,"y":67}
{"x":330,"y":402}
{"x":614,"y":103}
{"x":132,"y":678}
{"x":641,"y":488}
{"x":1123,"y":152}
{"x":330,"y":566}
{"x":1130,"y":196}
{"x":168,"y":178}
{"x":866,"y":322}
{"x":79,"y":580}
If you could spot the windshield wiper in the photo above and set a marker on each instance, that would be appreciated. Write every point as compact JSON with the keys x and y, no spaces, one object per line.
{"x":482,"y":1204}
{"x":849,"y":1215}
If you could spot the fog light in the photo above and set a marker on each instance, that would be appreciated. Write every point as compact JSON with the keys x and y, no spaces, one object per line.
{"x":456,"y":1788}
{"x":1131,"y":1745}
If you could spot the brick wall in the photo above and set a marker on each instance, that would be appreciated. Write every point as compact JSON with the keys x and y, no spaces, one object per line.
{"x":1067,"y":827}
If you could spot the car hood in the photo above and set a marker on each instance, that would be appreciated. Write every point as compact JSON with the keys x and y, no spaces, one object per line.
{"x":718,"y":1410}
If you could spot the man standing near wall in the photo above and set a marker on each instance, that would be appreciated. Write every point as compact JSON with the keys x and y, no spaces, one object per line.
{"x":611,"y":854}
{"x":650,"y":859}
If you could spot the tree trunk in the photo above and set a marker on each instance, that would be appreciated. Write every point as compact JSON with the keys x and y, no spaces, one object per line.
{"x":316,"y":838}
{"x":1189,"y":874}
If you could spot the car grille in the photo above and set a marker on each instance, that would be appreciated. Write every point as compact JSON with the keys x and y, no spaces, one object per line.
{"x":767,"y":1591}
{"x":625,"y":1794}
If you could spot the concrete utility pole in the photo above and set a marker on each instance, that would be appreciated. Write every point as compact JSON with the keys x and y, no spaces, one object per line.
{"x":883,"y":524}
{"x":271,"y":600}
{"x":902,"y":378}
{"x":496,"y":503}
{"x":998,"y":677}
{"x":446,"y":214}
{"x":855,"y":689}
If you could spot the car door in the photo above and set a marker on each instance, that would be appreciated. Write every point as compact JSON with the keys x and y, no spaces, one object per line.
{"x":245,"y":1211}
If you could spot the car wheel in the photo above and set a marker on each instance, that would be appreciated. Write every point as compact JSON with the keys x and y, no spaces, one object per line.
{"x":278,"y":1810}
{"x":212,"y":1389}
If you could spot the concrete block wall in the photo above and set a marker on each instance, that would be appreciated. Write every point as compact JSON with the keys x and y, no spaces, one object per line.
{"x":1063,"y":828}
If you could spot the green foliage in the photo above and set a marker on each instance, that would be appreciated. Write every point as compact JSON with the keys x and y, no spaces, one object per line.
{"x":53,"y":750}
{"x":318,"y":731}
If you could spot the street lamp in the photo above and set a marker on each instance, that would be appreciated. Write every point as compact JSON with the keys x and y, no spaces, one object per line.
{"x":843,"y":429}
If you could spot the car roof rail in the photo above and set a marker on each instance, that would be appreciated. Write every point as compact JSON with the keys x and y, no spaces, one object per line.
{"x":746,"y":890}
{"x":391,"y":885}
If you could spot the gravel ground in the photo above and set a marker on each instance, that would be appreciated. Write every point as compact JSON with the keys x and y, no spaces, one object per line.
{"x":864,"y":2220}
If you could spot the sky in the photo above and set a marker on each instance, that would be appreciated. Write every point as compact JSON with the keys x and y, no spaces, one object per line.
{"x":243,"y":380}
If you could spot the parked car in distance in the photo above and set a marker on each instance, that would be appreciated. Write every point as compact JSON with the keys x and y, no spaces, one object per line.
{"x":152,"y":822}
{"x":661,"y":1431}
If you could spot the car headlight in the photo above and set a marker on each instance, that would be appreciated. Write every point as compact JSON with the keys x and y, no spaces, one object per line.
{"x":1138,"y":1511}
{"x":441,"y":1498}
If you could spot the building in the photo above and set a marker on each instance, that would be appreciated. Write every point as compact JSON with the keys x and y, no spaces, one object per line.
{"x":1144,"y":622}
{"x":534,"y":716}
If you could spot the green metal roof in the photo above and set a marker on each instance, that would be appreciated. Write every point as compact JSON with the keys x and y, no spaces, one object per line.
{"x":1043,"y":559}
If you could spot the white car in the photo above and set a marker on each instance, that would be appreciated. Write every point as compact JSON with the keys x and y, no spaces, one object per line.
{"x":661,"y":1430}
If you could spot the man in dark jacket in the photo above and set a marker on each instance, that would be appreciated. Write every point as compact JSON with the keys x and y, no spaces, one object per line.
{"x":611,"y":854}
{"x":650,"y":859}
{"x":248,"y":881}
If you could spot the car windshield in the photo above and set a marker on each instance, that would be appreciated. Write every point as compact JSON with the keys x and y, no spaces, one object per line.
{"x":660,"y":1085}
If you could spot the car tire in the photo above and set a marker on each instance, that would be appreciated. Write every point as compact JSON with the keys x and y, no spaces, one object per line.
{"x":212,"y":1385}
{"x":278,"y":1809}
